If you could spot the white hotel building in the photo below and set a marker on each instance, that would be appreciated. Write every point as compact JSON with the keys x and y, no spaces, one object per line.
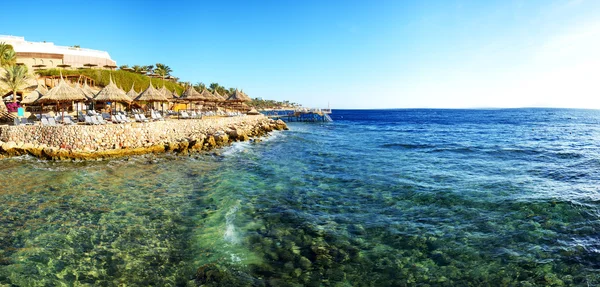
{"x":46,"y":53}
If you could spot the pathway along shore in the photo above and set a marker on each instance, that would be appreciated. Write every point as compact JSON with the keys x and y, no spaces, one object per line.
{"x":83,"y":142}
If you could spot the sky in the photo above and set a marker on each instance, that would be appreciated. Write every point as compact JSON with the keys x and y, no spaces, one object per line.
{"x":347,"y":54}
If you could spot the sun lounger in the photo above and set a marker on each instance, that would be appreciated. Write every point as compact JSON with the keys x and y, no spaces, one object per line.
{"x":101,"y":120}
{"x":94,"y":120}
{"x":68,"y":121}
{"x":143,"y":117}
{"x":88,"y":120}
{"x":51,"y":121}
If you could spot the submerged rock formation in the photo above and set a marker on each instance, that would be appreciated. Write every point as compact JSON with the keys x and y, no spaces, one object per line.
{"x":81,"y":142}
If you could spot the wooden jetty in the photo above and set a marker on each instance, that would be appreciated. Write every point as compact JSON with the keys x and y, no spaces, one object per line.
{"x":303,"y":115}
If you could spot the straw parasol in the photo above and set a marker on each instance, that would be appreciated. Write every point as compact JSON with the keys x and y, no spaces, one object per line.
{"x":32,"y":97}
{"x":87,"y":91}
{"x":218,"y":97}
{"x":62,"y":93}
{"x":151,"y":95}
{"x":132,"y":93}
{"x":111,"y":93}
{"x":166,"y":92}
{"x":63,"y":66}
{"x":90,"y":65}
{"x":191,"y":95}
{"x":238,"y":97}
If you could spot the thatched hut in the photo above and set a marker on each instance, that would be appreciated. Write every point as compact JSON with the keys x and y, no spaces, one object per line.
{"x":132,"y":93}
{"x":190,"y":95}
{"x":150,"y":95}
{"x":62,"y":93}
{"x":237,"y":100}
{"x":111,"y":93}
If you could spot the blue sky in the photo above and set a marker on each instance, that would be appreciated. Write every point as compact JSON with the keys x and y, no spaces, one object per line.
{"x":349,"y":54}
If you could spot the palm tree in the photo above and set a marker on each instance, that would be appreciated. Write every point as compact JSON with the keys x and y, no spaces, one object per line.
{"x":213,"y":86}
{"x":7,"y":55}
{"x":199,"y":86}
{"x":138,"y":68}
{"x":163,"y":70}
{"x":15,"y":78}
{"x":149,"y":68}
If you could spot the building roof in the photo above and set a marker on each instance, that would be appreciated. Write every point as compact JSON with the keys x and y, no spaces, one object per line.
{"x":21,"y":46}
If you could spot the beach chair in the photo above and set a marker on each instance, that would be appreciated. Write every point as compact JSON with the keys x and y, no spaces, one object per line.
{"x":114,"y":119}
{"x":44,"y":121}
{"x":101,"y":120}
{"x":68,"y":121}
{"x":95,"y":120}
{"x":143,"y":117}
{"x":51,"y":121}
{"x":16,"y":122}
{"x":88,"y":120}
{"x":138,"y":118}
{"x":121,"y":119}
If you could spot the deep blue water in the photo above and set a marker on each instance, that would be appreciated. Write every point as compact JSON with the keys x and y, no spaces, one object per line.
{"x":375,"y":198}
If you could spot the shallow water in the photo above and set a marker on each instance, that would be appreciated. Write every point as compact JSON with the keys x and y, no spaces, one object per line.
{"x":376,"y":198}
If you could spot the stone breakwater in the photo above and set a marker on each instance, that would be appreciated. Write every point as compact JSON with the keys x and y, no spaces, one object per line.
{"x":82,"y":142}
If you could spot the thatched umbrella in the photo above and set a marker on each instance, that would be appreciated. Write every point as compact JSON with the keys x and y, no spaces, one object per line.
{"x":237,"y":98}
{"x":111,"y":93}
{"x":87,"y":91}
{"x":132,"y":93}
{"x":151,"y":95}
{"x":63,"y":66}
{"x":191,"y":95}
{"x":90,"y":65}
{"x":110,"y":66}
{"x":62,"y":93}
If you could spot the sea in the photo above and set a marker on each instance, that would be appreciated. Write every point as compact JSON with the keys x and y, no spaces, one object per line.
{"x":406,"y":197}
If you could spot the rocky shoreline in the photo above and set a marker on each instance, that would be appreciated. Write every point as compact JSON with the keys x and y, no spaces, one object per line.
{"x":82,"y":142}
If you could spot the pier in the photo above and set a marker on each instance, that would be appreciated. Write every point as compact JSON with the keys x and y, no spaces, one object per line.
{"x":302,"y":115}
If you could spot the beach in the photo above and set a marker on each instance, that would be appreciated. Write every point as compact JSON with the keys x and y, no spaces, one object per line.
{"x":84,"y":142}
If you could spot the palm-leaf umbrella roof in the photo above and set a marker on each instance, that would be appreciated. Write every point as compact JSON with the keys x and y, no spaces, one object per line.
{"x":238,"y":96}
{"x":42,"y":89}
{"x":62,"y":93}
{"x":87,"y":91}
{"x":175,"y":95}
{"x":190,"y":94}
{"x":111,"y":93}
{"x":35,"y":95}
{"x":216,"y":96}
{"x":208,"y":96}
{"x":151,"y":94}
{"x":166,"y":93}
{"x":132,"y":93}
{"x":31,"y":97}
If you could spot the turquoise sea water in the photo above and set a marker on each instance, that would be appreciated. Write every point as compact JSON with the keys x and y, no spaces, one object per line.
{"x":376,"y":198}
